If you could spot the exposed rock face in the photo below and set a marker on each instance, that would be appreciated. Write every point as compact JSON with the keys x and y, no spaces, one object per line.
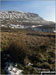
{"x":17,"y":19}
{"x":23,"y":17}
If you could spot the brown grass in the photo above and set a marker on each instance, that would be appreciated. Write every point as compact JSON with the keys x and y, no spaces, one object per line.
{"x":37,"y":48}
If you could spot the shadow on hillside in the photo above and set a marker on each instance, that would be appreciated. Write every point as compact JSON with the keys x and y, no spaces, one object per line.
{"x":41,"y":35}
{"x":12,"y":54}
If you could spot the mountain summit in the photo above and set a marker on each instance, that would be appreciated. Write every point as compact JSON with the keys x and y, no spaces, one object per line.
{"x":23,"y":18}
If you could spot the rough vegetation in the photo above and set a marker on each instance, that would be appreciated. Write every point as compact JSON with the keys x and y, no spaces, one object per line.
{"x":26,"y":46}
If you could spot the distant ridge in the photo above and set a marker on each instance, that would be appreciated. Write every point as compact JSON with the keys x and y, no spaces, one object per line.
{"x":24,"y":17}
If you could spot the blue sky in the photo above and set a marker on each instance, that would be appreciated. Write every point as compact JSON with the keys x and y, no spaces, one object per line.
{"x":45,"y":8}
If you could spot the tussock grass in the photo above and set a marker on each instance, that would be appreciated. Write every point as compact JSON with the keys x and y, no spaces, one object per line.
{"x":26,"y":47}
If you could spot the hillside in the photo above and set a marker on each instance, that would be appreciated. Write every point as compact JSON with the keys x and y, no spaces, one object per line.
{"x":17,"y":17}
{"x":28,"y":40}
{"x":26,"y":46}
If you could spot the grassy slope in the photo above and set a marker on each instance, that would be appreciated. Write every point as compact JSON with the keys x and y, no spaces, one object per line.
{"x":29,"y":46}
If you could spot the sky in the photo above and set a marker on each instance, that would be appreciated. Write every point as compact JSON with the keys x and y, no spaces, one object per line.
{"x":45,"y":8}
